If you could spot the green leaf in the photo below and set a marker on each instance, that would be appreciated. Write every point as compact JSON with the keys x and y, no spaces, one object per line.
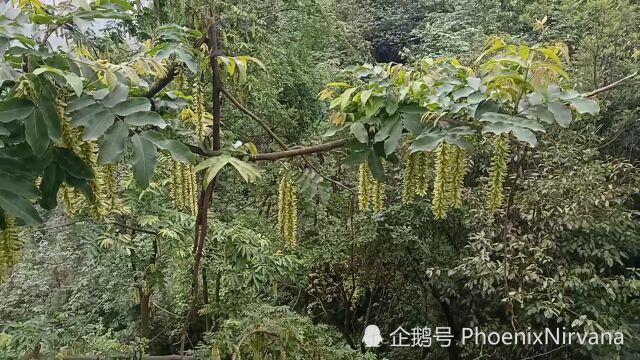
{"x":513,"y":120}
{"x":364,"y":96}
{"x":463,"y":92}
{"x":117,"y":95}
{"x":85,"y":114}
{"x":47,"y":107}
{"x":520,"y":133}
{"x":346,"y":97}
{"x":585,"y":106}
{"x":178,"y":150}
{"x":188,"y":59}
{"x":19,"y":207}
{"x":561,"y":113}
{"x":72,"y":164}
{"x":15,"y":109}
{"x":36,"y":133}
{"x":526,"y":135}
{"x":142,"y":118}
{"x":79,"y":103}
{"x":248,"y":172}
{"x":98,"y":124}
{"x":375,"y":165}
{"x":75,"y":82}
{"x":427,"y":142}
{"x":213,"y":166}
{"x":52,"y":178}
{"x":20,"y":186}
{"x":360,"y":132}
{"x":131,"y":106}
{"x":113,"y":144}
{"x":413,"y":123}
{"x":145,"y":157}
{"x":394,"y":138}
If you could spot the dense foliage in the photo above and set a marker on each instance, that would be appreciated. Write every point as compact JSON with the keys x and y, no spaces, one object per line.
{"x":263,"y":180}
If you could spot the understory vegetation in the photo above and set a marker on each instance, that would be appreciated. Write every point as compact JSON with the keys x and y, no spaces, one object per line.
{"x":262,"y":180}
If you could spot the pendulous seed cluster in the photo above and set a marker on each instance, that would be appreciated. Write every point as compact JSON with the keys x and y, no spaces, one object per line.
{"x":184,"y":187}
{"x":10,"y":246}
{"x":450,"y":169}
{"x":416,"y":175}
{"x":371,"y":193}
{"x":498,"y":172}
{"x":287,"y":210}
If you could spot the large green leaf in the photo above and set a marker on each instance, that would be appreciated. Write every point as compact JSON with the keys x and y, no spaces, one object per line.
{"x":131,"y":106}
{"x":72,"y":163}
{"x":521,"y":133}
{"x":392,"y":142}
{"x":427,"y":142}
{"x":15,"y":109}
{"x":360,"y":132}
{"x":145,"y":157}
{"x":213,"y":166}
{"x":19,"y":207}
{"x":117,"y":95}
{"x":561,"y":113}
{"x":493,"y":117}
{"x":98,"y":124}
{"x":47,"y":107}
{"x":36,"y":132}
{"x":178,"y":150}
{"x":85,"y":114}
{"x":375,"y":165}
{"x":18,"y":185}
{"x":79,"y":103}
{"x":52,"y":178}
{"x":142,"y":118}
{"x":585,"y":106}
{"x":113,"y":144}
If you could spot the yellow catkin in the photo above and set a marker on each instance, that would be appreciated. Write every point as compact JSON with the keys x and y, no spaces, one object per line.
{"x":456,"y":165}
{"x":439,"y":203}
{"x":287,"y":210}
{"x":175,"y":184}
{"x":71,"y":139}
{"x":415,"y":182}
{"x":9,"y":247}
{"x":498,"y":172}
{"x":371,"y":193}
{"x":100,"y":206}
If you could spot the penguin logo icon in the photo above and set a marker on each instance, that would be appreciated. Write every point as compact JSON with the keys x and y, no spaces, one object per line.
{"x":372,"y":336}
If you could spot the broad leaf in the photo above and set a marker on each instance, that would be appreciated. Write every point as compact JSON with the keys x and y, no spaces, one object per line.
{"x":113,"y":144}
{"x":20,"y":186}
{"x":15,"y":109}
{"x":145,"y":157}
{"x":36,"y":133}
{"x":131,"y":106}
{"x":72,"y":164}
{"x":178,"y":150}
{"x":117,"y":95}
{"x":585,"y":106}
{"x":360,"y":132}
{"x":561,"y":113}
{"x":98,"y":124}
{"x":142,"y":118}
{"x":19,"y":207}
{"x":52,"y":178}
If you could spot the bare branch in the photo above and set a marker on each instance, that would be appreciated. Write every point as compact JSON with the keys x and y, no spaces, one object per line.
{"x":610,"y":86}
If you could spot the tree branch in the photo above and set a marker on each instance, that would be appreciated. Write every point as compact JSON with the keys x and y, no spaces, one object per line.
{"x":277,"y":139}
{"x":610,"y":86}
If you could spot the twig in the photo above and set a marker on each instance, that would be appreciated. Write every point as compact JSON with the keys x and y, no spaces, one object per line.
{"x":610,"y":86}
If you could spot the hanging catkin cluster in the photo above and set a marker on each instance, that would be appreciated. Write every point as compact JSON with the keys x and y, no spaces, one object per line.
{"x":498,"y":172}
{"x":197,"y":114}
{"x":104,"y":184}
{"x":184,"y":187}
{"x":287,"y":210}
{"x":371,"y":193}
{"x":450,"y":168}
{"x":417,"y":171}
{"x":10,"y":245}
